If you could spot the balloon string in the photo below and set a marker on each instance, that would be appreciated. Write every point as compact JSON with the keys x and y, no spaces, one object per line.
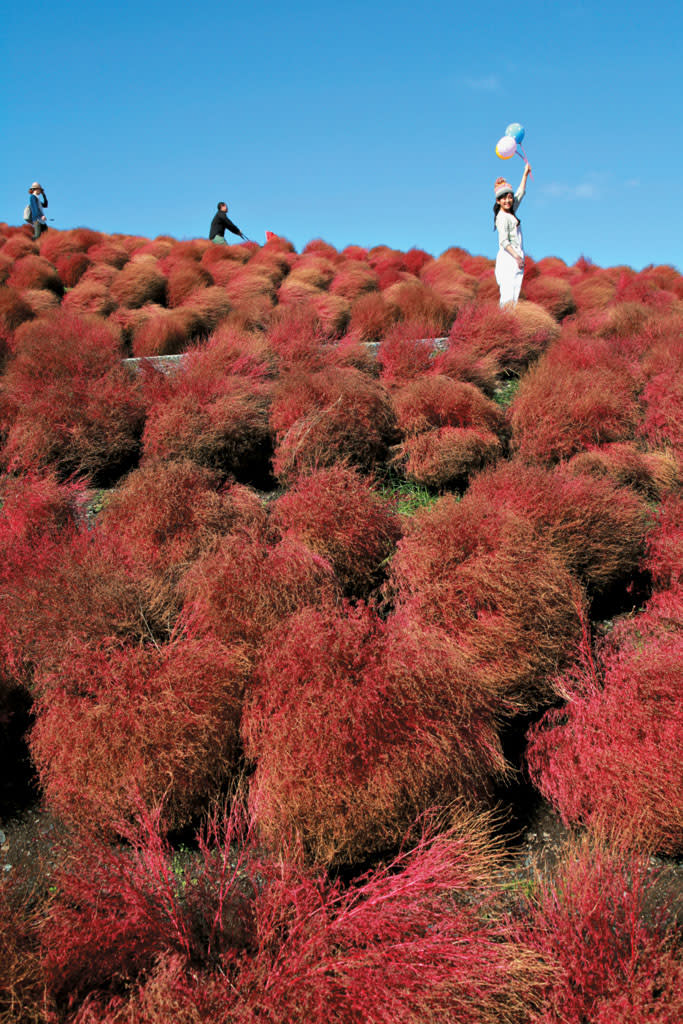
{"x":524,"y":157}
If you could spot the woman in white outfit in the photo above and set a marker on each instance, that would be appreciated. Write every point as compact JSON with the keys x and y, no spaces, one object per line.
{"x":510,"y":258}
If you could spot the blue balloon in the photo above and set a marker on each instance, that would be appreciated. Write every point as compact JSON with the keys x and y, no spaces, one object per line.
{"x":515,"y":131}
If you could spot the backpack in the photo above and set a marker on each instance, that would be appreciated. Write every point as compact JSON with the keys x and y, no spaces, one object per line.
{"x":28,"y":217}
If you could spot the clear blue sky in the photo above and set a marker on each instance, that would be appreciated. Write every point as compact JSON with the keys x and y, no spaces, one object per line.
{"x":359,"y":122}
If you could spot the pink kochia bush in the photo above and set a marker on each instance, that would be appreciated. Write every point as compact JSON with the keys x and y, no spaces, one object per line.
{"x":66,"y":402}
{"x":390,"y":719}
{"x":503,"y":596}
{"x":235,"y":936}
{"x":338,"y":514}
{"x":612,"y":959}
{"x":612,"y":753}
{"x":117,"y":725}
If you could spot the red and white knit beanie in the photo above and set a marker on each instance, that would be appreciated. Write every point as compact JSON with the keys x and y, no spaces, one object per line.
{"x":502,"y":187}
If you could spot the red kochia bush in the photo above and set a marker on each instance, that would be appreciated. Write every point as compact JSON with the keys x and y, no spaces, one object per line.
{"x":390,"y":718}
{"x":214,"y":409}
{"x":165,"y":332}
{"x":337,"y":415}
{"x":116,"y":726}
{"x":35,"y":272}
{"x":504,"y":597}
{"x":612,"y":959}
{"x":135,"y":935}
{"x":650,"y":473}
{"x":406,"y":352}
{"x":140,"y":281}
{"x":67,"y":401}
{"x":664,"y":558}
{"x":437,"y":401}
{"x":250,"y":583}
{"x":663,"y":420}
{"x":14,"y":310}
{"x":613,"y":753}
{"x":561,"y":409}
{"x":71,"y":267}
{"x":446,"y":456}
{"x":190,"y":510}
{"x":337,"y":513}
{"x":597,"y":528}
{"x":77,"y":584}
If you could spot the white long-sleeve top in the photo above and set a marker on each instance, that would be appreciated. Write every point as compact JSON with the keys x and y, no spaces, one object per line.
{"x":509,"y":231}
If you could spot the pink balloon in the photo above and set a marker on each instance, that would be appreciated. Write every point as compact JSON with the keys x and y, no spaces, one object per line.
{"x":506,"y":147}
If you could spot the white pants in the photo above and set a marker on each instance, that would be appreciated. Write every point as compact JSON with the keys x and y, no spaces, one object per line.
{"x":509,"y":277}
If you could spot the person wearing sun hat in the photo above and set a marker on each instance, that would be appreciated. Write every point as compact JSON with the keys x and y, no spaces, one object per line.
{"x":510,"y":258}
{"x":37,"y":198}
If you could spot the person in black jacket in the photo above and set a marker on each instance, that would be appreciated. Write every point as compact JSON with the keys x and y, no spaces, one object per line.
{"x":220,"y":222}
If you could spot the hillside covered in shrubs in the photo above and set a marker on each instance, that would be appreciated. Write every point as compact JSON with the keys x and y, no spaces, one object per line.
{"x":287,"y":626}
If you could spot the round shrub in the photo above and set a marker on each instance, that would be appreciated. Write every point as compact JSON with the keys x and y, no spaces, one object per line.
{"x":338,"y":514}
{"x":390,"y":719}
{"x":117,"y":727}
{"x":70,"y":404}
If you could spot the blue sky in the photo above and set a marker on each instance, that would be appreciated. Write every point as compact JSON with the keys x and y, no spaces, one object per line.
{"x":361,"y":122}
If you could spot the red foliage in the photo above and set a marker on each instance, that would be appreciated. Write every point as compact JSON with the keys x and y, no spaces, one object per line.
{"x":214,"y":410}
{"x":565,"y":405}
{"x":56,"y":245}
{"x":211,"y":305}
{"x":612,"y":960}
{"x":352,"y":279}
{"x":391,"y":718}
{"x":650,"y":473}
{"x":248,"y":584}
{"x":336,"y":415}
{"x":413,"y":300}
{"x":612,"y":753}
{"x":597,"y":528}
{"x":133,"y":936}
{"x":447,"y":279}
{"x":191,"y":509}
{"x":664,"y":557}
{"x":67,"y":401}
{"x":506,"y":599}
{"x":338,"y":514}
{"x":437,"y":401}
{"x":663,"y":419}
{"x":140,"y":281}
{"x":370,"y":317}
{"x":552,"y":293}
{"x":406,"y":351}
{"x":14,"y":310}
{"x":166,"y":332}
{"x":482,"y":343}
{"x":35,"y":272}
{"x":20,"y":245}
{"x":116,"y":726}
{"x":41,"y":301}
{"x":183,"y":279}
{"x":109,"y":252}
{"x":446,"y":456}
{"x":71,"y":267}
{"x":89,"y":297}
{"x":295,"y":335}
{"x":333,"y":312}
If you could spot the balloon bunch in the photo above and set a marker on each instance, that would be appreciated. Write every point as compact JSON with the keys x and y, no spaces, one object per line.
{"x":511,"y":143}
